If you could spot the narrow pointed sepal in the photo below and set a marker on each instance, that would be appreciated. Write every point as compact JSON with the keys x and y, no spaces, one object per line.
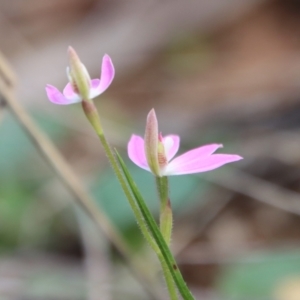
{"x":151,"y":143}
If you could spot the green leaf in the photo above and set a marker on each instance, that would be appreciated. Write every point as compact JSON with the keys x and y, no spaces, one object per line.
{"x":165,"y":251}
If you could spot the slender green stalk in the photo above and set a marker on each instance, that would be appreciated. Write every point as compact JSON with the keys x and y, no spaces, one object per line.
{"x":140,"y":209}
{"x":157,"y":235}
{"x":166,"y":215}
{"x":93,"y":116}
{"x":166,"y":223}
{"x":163,"y":189}
{"x":140,"y":220}
{"x":169,"y":279}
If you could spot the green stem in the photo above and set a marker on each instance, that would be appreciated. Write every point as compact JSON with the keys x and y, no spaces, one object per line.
{"x":168,"y":278}
{"x":163,"y":189}
{"x":157,"y":235}
{"x":166,"y":215}
{"x":93,"y":116}
{"x":134,"y":207}
{"x":141,"y":212}
{"x":166,"y":223}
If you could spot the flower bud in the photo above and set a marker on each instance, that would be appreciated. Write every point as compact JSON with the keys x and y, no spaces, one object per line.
{"x":78,"y":75}
{"x":151,"y":143}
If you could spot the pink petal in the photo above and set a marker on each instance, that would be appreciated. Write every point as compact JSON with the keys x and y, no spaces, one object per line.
{"x":136,"y":152}
{"x":107,"y":76}
{"x":69,"y":93}
{"x":197,"y":153}
{"x":94,"y":91}
{"x":203,"y":164}
{"x":171,"y":144}
{"x":56,"y":97}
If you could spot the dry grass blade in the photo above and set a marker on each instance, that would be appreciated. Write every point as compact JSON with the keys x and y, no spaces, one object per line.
{"x":7,"y":79}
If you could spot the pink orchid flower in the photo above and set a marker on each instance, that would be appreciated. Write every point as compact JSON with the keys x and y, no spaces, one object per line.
{"x":81,"y":86}
{"x":155,"y":153}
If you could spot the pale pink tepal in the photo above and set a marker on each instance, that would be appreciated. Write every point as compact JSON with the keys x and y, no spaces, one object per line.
{"x":81,"y":86}
{"x":156,"y":153}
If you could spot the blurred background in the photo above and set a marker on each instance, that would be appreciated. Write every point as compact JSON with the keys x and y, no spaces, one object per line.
{"x":215,"y":71}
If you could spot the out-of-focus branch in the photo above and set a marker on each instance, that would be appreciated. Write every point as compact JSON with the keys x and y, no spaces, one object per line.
{"x":6,"y":74}
{"x":258,"y":189}
{"x":70,"y":180}
{"x":7,"y":79}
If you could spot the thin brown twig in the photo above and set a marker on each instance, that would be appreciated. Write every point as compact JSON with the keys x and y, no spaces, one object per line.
{"x":258,"y":189}
{"x":73,"y":184}
{"x":6,"y":74}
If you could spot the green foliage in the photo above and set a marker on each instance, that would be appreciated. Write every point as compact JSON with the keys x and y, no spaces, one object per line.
{"x":13,"y":201}
{"x":256,"y":276}
{"x":22,"y":172}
